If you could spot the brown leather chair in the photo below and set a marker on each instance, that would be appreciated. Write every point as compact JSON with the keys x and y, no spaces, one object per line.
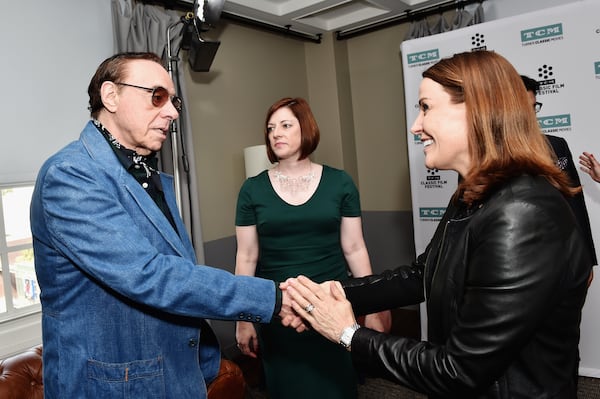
{"x":21,"y":378}
{"x":229,"y":383}
{"x":21,"y":375}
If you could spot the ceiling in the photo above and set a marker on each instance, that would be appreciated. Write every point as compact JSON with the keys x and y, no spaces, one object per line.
{"x":315,"y":17}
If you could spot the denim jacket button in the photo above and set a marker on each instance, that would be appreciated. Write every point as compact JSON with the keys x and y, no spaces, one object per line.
{"x":192,"y":343}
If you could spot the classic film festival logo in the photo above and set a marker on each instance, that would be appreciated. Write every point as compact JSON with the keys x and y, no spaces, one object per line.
{"x":478,"y":42}
{"x":433,"y":179}
{"x":547,"y":80}
{"x":549,"y":85}
{"x":542,"y":34}
{"x":422,"y":58}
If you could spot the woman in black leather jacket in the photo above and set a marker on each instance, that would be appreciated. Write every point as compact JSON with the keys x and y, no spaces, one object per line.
{"x":504,"y":277}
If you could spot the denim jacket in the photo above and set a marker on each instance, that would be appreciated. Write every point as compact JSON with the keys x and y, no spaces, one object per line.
{"x":123,"y":300}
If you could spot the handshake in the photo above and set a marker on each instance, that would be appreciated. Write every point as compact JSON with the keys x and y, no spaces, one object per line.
{"x":322,"y":307}
{"x":306,"y":303}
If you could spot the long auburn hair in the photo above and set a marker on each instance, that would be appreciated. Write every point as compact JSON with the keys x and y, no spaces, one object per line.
{"x":504,"y":136}
{"x":309,"y":130}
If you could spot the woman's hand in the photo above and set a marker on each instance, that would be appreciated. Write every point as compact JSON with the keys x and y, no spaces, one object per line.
{"x":330,"y":312}
{"x":590,"y":165}
{"x":247,"y":341}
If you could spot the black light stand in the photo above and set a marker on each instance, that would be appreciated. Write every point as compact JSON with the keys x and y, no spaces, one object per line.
{"x":175,"y":124}
{"x":200,"y":56}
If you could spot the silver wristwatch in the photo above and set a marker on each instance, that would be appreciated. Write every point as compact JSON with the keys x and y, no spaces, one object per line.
{"x":347,"y":334}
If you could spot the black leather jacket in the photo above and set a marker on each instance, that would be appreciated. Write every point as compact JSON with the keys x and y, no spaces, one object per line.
{"x":504,"y":283}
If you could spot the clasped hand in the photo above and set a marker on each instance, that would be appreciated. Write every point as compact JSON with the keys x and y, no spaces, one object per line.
{"x":330,"y":312}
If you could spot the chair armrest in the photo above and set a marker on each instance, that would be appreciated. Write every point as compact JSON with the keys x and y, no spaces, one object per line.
{"x":228,"y":384}
{"x":21,"y":375}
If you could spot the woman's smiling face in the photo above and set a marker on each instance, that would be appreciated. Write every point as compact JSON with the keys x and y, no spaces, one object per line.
{"x":442,"y":126}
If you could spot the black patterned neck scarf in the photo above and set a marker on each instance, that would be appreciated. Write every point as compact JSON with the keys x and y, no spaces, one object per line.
{"x":149,"y":163}
{"x":143,"y":168}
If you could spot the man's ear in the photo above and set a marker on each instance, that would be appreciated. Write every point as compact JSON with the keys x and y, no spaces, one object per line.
{"x":110,"y":96}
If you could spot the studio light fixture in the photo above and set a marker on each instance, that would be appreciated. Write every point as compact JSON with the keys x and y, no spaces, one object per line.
{"x":206,"y":14}
{"x":201,"y":53}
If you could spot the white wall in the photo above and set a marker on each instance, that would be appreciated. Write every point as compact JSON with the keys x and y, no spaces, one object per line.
{"x":50,"y":50}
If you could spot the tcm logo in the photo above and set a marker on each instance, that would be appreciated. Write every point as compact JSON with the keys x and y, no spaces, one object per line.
{"x":556,"y":121}
{"x":423,"y":56}
{"x":542,"y":32}
{"x":429,"y":213}
{"x":597,"y":68}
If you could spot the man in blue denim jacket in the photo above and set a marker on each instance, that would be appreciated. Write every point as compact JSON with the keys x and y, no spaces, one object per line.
{"x":123,"y":300}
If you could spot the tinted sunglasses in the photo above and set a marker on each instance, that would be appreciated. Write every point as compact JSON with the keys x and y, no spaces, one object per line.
{"x":160,"y":96}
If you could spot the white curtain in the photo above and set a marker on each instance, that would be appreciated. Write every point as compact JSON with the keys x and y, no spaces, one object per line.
{"x":462,"y":18}
{"x":142,"y":27}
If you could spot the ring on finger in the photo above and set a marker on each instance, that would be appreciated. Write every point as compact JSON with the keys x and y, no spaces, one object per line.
{"x":309,"y":308}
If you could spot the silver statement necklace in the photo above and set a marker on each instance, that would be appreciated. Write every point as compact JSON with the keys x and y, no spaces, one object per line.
{"x":294,"y":184}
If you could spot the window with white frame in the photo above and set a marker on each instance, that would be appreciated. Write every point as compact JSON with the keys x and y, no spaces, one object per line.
{"x":19,"y":290}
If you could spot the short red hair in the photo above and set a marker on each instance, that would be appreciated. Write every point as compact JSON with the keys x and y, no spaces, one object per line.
{"x":309,"y":130}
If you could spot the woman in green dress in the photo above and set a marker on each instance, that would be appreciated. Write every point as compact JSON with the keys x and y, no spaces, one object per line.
{"x":300,"y":218}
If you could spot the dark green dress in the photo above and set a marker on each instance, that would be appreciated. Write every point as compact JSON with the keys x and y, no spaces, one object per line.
{"x":301,"y":239}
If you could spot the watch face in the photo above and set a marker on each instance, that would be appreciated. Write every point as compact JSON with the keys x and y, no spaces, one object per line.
{"x":347,"y":334}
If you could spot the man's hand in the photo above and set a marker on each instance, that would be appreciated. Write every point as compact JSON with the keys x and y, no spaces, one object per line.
{"x":289,"y":317}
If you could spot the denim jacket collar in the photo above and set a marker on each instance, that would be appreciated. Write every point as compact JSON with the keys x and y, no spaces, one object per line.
{"x":100,"y":151}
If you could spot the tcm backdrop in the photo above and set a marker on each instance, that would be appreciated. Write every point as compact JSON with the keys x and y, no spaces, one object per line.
{"x":558,"y":47}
